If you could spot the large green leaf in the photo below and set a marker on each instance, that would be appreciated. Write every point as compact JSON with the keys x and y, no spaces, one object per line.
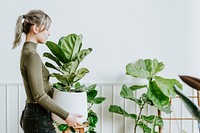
{"x":138,"y":69}
{"x":71,"y":45}
{"x":144,"y":68}
{"x":70,"y":67}
{"x":79,"y":88}
{"x":155,"y":66}
{"x":82,"y":54}
{"x":53,"y":58}
{"x":80,"y":73}
{"x":92,"y":118}
{"x":191,"y":106}
{"x":59,"y":86}
{"x":63,"y":127}
{"x":136,"y":87}
{"x":127,"y":93}
{"x":98,"y":100}
{"x":91,"y":87}
{"x":166,"y":86}
{"x":57,"y":51}
{"x":47,"y":64}
{"x":70,"y":78}
{"x":153,"y":119}
{"x":119,"y":110}
{"x":60,"y":78}
{"x":156,"y":96}
{"x":91,"y":95}
{"x":145,"y":128}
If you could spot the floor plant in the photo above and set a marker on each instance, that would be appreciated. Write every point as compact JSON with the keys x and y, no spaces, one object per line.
{"x":157,"y":92}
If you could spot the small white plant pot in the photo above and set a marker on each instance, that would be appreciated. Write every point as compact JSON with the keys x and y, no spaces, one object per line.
{"x":72,"y":102}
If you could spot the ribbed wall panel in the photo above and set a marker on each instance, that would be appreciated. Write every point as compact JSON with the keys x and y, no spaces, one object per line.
{"x":13,"y":99}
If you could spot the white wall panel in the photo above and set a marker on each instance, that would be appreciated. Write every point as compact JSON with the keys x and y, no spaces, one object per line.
{"x":13,"y":99}
{"x":3,"y":109}
{"x":12,"y":107}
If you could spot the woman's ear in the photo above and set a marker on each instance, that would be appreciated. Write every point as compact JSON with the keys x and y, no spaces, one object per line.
{"x":35,"y":29}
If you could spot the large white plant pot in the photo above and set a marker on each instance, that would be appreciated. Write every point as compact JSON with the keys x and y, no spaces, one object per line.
{"x":72,"y":102}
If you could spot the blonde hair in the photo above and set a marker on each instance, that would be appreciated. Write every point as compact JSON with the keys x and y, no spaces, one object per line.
{"x":33,"y":17}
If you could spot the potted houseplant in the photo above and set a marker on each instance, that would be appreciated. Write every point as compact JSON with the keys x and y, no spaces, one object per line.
{"x":92,"y":118}
{"x":157,"y":92}
{"x":67,"y":56}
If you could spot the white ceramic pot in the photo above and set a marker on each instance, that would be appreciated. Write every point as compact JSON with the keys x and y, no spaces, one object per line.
{"x":72,"y":102}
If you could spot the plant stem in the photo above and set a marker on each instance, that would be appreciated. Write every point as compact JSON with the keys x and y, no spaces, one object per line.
{"x":139,"y":117}
{"x":154,"y":124}
{"x":90,"y":106}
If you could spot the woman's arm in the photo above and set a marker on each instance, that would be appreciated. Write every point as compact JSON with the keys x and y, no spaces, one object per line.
{"x":35,"y":80}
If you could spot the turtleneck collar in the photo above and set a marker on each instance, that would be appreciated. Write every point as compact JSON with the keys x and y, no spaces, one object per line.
{"x":31,"y":45}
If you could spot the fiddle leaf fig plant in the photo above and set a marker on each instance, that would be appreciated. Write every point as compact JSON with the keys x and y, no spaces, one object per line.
{"x":67,"y":56}
{"x":157,"y":92}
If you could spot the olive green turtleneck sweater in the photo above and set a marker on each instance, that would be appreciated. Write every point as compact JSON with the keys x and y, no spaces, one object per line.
{"x":36,"y":80}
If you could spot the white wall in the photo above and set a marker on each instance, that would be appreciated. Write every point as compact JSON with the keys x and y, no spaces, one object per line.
{"x":119,"y":31}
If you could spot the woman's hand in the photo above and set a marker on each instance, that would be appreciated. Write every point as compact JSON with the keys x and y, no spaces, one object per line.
{"x":72,"y":120}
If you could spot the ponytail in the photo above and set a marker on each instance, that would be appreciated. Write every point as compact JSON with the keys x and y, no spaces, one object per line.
{"x":18,"y":32}
{"x":33,"y":17}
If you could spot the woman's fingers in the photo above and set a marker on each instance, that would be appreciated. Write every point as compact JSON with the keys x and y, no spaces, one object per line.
{"x":75,"y":124}
{"x":79,"y":124}
{"x":72,"y":120}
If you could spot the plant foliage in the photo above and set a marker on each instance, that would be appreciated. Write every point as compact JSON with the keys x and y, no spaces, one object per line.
{"x":92,"y":99}
{"x":157,"y":92}
{"x":190,"y":105}
{"x":92,"y":119}
{"x":67,"y":56}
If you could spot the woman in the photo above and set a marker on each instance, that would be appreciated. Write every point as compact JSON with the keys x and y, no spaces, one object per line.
{"x":36,"y":117}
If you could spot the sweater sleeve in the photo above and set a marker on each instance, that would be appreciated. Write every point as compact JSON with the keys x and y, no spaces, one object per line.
{"x":35,"y":79}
